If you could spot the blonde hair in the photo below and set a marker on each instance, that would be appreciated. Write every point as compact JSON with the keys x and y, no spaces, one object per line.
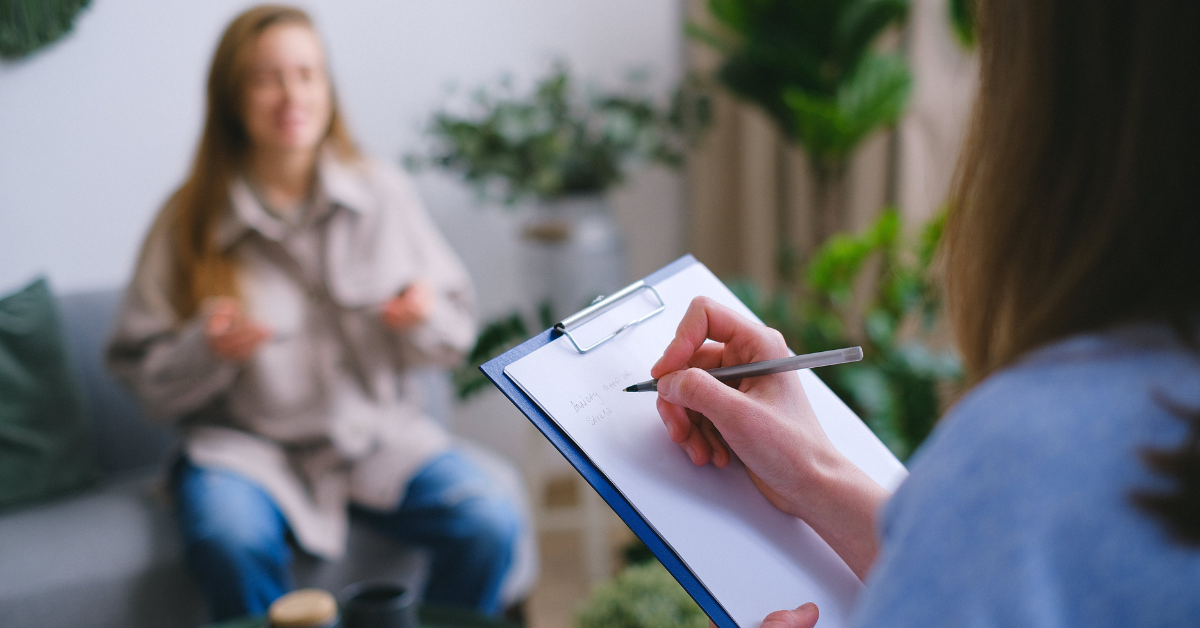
{"x":193,"y":213}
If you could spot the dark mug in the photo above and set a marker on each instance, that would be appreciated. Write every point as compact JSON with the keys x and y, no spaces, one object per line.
{"x":379,"y":605}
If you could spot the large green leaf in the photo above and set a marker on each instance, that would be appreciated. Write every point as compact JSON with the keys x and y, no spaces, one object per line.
{"x":497,"y":337}
{"x":773,"y":47}
{"x":860,"y":24}
{"x":836,"y":265}
{"x":962,"y":18}
{"x":831,"y":128}
{"x":27,"y":25}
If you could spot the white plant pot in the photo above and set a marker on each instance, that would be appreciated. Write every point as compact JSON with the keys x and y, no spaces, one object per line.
{"x":572,"y":252}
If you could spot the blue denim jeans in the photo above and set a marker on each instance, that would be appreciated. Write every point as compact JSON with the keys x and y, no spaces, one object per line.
{"x":237,"y":546}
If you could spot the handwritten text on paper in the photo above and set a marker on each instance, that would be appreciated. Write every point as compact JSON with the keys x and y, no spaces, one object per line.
{"x":592,"y":405}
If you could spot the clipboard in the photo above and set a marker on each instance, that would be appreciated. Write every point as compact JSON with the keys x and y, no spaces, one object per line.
{"x":565,"y":444}
{"x":494,"y":370}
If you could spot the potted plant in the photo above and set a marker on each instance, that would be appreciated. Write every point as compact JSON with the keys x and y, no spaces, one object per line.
{"x":812,"y":66}
{"x":560,"y":150}
{"x":642,"y":595}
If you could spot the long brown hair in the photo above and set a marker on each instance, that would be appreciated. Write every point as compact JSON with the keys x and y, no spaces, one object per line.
{"x":192,"y":215}
{"x":1077,"y":202}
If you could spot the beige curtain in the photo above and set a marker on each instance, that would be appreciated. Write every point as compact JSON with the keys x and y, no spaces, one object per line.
{"x":749,"y":190}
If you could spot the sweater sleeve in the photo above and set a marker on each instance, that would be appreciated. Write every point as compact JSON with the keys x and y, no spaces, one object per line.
{"x":166,"y":362}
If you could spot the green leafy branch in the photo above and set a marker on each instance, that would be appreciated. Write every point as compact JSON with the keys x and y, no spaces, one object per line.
{"x":831,"y":128}
{"x":496,"y":337}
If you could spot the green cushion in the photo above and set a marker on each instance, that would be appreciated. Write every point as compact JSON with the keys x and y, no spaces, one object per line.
{"x":45,"y":444}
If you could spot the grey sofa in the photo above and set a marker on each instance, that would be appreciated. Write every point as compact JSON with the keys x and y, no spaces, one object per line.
{"x":111,"y":556}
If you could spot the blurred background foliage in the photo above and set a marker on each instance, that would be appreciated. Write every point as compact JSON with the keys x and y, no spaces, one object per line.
{"x":27,"y":25}
{"x":821,"y":71}
{"x":813,"y":67}
{"x":872,"y":288}
{"x":496,"y":337}
{"x":643,"y":595}
{"x":555,"y":142}
{"x":962,"y":19}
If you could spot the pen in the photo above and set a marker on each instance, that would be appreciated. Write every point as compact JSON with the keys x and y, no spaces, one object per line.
{"x":770,"y":367}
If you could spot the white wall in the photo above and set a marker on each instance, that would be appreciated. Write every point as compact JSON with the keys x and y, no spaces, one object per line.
{"x":96,"y":130}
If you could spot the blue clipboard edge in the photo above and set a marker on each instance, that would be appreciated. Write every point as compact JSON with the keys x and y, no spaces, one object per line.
{"x":494,"y":370}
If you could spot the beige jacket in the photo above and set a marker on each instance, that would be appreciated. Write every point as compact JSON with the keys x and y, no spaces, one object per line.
{"x":319,"y":416}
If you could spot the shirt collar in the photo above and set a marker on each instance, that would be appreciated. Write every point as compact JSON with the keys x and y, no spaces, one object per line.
{"x":339,"y":185}
{"x":345,"y":183}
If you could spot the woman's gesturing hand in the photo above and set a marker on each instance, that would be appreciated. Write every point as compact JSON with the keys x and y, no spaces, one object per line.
{"x":768,"y":422}
{"x":409,"y":308}
{"x":230,"y":334}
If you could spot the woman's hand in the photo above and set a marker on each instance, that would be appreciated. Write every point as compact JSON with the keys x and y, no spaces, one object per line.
{"x":805,"y":616}
{"x":409,"y":308}
{"x":768,"y":422}
{"x":230,"y":334}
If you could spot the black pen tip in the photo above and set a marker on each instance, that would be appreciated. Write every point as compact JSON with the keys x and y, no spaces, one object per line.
{"x":632,"y":388}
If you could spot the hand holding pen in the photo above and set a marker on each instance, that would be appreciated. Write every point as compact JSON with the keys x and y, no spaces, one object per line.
{"x":769,"y":367}
{"x":768,"y":422}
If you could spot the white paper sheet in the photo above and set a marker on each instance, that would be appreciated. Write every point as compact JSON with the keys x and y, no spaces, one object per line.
{"x":751,"y":557}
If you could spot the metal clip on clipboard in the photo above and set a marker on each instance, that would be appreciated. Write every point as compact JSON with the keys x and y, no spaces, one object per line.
{"x":599,"y":306}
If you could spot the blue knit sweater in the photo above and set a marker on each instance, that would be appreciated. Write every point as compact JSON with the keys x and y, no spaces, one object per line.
{"x":1017,"y":510}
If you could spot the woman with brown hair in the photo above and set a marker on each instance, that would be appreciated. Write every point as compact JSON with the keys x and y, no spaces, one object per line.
{"x":279,"y":298}
{"x":1063,"y":489}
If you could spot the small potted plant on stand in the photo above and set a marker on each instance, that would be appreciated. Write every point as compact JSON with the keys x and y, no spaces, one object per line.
{"x":558,"y":151}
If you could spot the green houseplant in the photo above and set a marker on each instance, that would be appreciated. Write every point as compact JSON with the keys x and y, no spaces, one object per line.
{"x":28,"y":25}
{"x":813,"y":67}
{"x":641,"y":596}
{"x":553,"y":143}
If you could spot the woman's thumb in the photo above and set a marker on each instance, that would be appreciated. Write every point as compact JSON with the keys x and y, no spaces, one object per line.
{"x":697,"y":390}
{"x":803,"y":617}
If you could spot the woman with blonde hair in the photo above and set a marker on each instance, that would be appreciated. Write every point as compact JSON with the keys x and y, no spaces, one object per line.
{"x":280,"y":296}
